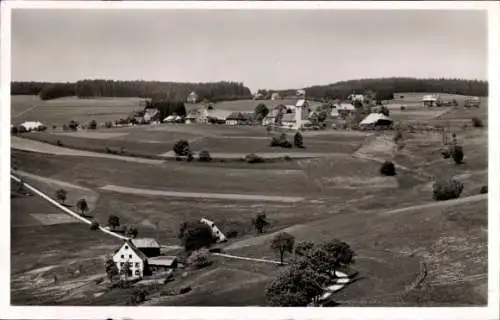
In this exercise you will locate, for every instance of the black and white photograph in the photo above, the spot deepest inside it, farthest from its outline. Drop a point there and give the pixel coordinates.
(189, 156)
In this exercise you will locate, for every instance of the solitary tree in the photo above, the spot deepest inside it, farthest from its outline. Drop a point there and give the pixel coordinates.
(111, 268)
(261, 111)
(283, 242)
(131, 232)
(260, 222)
(54, 127)
(385, 111)
(61, 195)
(82, 206)
(181, 148)
(125, 270)
(93, 125)
(457, 154)
(298, 141)
(113, 221)
(94, 225)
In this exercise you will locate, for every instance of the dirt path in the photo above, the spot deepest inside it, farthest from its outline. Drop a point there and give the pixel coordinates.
(40, 147)
(224, 196)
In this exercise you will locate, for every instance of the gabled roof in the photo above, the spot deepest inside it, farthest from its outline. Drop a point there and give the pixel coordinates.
(162, 261)
(235, 116)
(373, 118)
(133, 248)
(219, 114)
(429, 97)
(346, 107)
(145, 243)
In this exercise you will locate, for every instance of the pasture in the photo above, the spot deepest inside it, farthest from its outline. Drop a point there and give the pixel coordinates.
(392, 223)
(61, 111)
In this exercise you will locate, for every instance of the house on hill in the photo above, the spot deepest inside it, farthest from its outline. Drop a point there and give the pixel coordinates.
(430, 100)
(192, 97)
(137, 260)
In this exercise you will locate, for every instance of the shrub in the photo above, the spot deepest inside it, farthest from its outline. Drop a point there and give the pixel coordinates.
(199, 259)
(385, 111)
(94, 225)
(189, 156)
(14, 130)
(138, 296)
(445, 152)
(447, 189)
(287, 158)
(281, 141)
(184, 290)
(22, 129)
(131, 232)
(260, 222)
(204, 156)
(82, 206)
(477, 123)
(73, 125)
(92, 125)
(108, 124)
(253, 158)
(113, 221)
(61, 195)
(195, 235)
(65, 127)
(232, 233)
(402, 108)
(484, 189)
(457, 154)
(41, 128)
(388, 169)
(181, 148)
(298, 141)
(59, 143)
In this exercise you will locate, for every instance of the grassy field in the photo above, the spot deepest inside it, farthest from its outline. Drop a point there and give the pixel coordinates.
(62, 111)
(392, 223)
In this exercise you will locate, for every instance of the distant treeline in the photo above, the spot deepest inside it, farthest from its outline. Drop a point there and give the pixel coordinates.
(386, 87)
(172, 91)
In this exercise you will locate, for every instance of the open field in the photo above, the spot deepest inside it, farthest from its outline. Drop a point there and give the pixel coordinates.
(63, 110)
(392, 223)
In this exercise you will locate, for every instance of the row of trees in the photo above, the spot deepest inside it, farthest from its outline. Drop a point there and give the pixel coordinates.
(311, 270)
(386, 87)
(175, 91)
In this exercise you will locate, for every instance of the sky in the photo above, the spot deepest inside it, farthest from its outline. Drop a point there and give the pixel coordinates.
(276, 49)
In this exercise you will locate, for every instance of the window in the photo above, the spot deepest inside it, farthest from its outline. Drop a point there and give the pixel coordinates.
(123, 256)
(137, 264)
(121, 264)
(130, 256)
(126, 247)
(136, 272)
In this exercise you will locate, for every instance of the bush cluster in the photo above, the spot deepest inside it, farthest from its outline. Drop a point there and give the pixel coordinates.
(282, 141)
(447, 189)
(388, 169)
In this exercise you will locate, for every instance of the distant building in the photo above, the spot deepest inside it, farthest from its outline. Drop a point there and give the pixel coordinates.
(472, 102)
(345, 109)
(430, 100)
(149, 246)
(236, 118)
(275, 96)
(162, 263)
(31, 125)
(374, 120)
(192, 97)
(300, 93)
(356, 97)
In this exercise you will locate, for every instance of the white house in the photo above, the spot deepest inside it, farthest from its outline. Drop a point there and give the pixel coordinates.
(192, 97)
(430, 100)
(275, 96)
(345, 109)
(31, 125)
(215, 231)
(356, 97)
(128, 252)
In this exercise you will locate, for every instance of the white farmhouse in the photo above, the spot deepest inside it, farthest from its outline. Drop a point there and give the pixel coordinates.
(135, 257)
(31, 125)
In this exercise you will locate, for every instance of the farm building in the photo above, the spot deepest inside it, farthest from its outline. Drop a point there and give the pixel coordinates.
(430, 100)
(258, 96)
(192, 97)
(162, 263)
(31, 125)
(374, 120)
(275, 96)
(128, 252)
(193, 116)
(236, 118)
(356, 97)
(271, 116)
(151, 114)
(345, 109)
(472, 102)
(301, 93)
(214, 116)
(149, 246)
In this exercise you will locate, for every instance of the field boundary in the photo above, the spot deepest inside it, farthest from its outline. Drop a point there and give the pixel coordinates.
(63, 208)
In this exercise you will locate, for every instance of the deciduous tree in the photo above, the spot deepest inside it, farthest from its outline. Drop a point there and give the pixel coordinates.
(282, 243)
